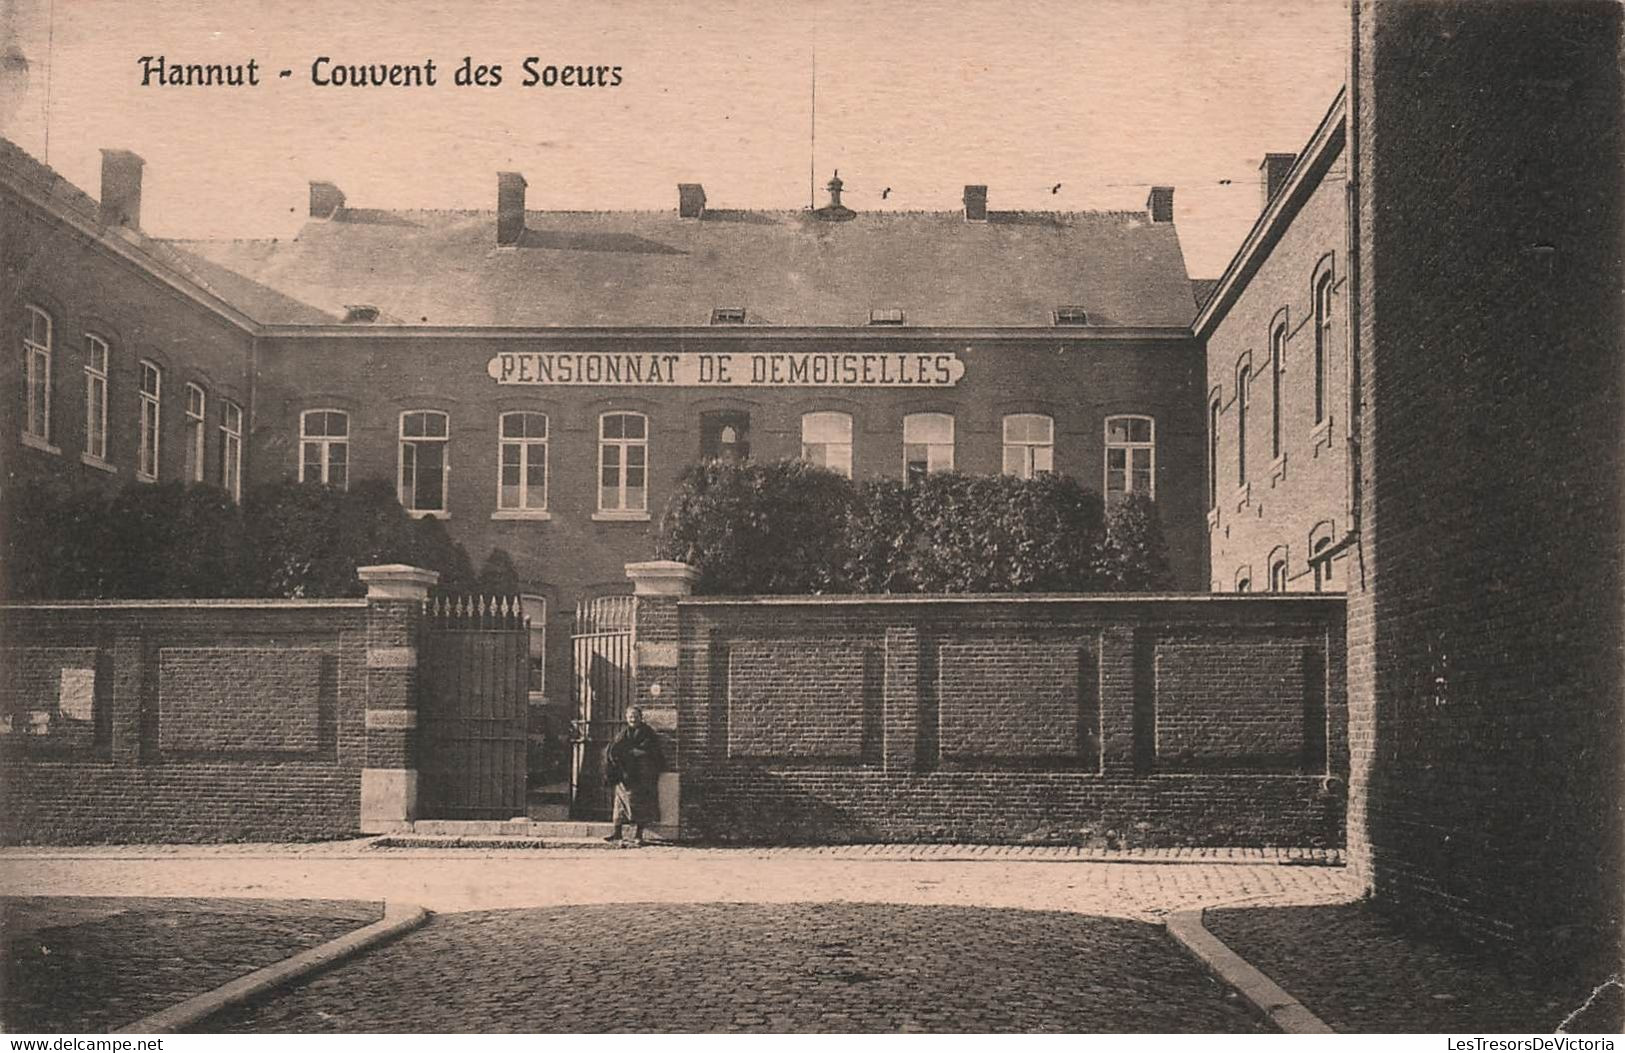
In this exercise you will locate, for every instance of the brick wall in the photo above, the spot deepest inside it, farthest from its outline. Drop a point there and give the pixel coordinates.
(1101, 721)
(1289, 501)
(1485, 642)
(86, 287)
(183, 721)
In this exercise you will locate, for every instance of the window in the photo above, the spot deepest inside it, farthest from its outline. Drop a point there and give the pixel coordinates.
(37, 365)
(1322, 565)
(1029, 444)
(1071, 315)
(1277, 359)
(1323, 339)
(1278, 564)
(885, 316)
(1244, 578)
(535, 608)
(95, 397)
(231, 449)
(424, 435)
(1131, 456)
(152, 381)
(928, 445)
(1213, 454)
(324, 448)
(727, 316)
(725, 436)
(826, 440)
(623, 462)
(1241, 424)
(195, 401)
(522, 463)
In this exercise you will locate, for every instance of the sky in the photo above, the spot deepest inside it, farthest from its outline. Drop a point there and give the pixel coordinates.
(1103, 97)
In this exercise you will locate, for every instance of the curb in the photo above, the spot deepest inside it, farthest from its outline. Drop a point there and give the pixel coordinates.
(397, 919)
(1264, 994)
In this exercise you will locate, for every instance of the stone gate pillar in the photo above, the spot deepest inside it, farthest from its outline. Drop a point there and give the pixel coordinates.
(389, 779)
(657, 586)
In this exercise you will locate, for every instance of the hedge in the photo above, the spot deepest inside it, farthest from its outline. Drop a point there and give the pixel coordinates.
(169, 540)
(792, 528)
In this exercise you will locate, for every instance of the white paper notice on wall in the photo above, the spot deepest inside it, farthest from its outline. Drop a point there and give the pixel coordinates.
(76, 699)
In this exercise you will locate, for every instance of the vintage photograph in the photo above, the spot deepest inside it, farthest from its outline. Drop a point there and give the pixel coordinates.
(952, 516)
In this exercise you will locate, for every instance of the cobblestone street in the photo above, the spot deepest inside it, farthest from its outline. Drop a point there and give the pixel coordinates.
(709, 939)
(804, 967)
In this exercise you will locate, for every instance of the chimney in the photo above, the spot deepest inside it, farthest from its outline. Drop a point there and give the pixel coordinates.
(690, 200)
(510, 207)
(1159, 206)
(121, 188)
(1272, 174)
(325, 200)
(976, 204)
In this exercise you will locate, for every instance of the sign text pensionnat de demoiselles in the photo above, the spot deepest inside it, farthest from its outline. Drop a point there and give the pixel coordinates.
(719, 369)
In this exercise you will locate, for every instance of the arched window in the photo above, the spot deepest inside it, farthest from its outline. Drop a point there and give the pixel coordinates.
(37, 344)
(1277, 361)
(623, 462)
(96, 357)
(324, 447)
(1242, 383)
(1029, 444)
(1213, 454)
(1278, 569)
(1244, 578)
(425, 435)
(152, 384)
(522, 462)
(826, 440)
(1131, 456)
(1323, 338)
(928, 445)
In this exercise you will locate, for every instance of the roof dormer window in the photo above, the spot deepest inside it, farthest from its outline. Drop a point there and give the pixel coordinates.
(1071, 314)
(885, 316)
(727, 316)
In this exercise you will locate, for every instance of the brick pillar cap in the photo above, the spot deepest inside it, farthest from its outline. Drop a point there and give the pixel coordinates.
(397, 581)
(661, 577)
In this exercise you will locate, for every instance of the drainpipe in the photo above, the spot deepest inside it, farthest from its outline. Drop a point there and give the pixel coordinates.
(1353, 300)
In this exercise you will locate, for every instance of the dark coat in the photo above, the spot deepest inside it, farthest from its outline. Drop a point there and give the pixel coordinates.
(634, 758)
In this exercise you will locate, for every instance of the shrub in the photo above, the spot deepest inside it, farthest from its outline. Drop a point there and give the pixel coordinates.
(497, 574)
(56, 541)
(1135, 555)
(759, 528)
(986, 534)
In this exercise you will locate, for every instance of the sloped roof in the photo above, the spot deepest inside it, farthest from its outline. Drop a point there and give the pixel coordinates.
(1202, 288)
(785, 268)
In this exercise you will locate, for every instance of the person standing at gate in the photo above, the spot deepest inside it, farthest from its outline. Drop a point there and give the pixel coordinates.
(632, 765)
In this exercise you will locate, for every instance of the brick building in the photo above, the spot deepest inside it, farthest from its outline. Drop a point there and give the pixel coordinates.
(540, 379)
(1275, 331)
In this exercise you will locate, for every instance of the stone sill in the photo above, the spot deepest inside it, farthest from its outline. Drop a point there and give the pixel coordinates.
(1278, 469)
(97, 463)
(34, 442)
(427, 513)
(1244, 496)
(540, 515)
(620, 517)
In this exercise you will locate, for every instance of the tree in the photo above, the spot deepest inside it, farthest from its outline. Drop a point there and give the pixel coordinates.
(497, 574)
(1135, 555)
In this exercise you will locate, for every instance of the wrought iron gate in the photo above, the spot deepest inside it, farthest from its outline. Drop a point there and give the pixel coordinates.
(474, 672)
(604, 687)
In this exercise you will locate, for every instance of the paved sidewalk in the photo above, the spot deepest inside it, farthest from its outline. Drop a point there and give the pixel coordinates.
(447, 881)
